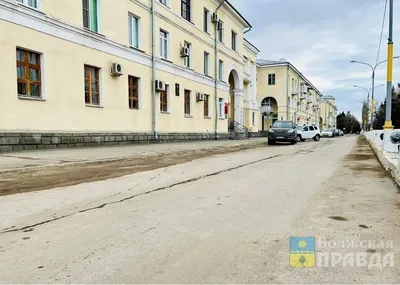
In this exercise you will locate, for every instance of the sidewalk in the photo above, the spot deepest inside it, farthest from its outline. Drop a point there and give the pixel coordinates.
(10, 161)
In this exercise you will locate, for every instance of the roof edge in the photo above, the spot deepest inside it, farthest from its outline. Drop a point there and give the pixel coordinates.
(250, 44)
(238, 13)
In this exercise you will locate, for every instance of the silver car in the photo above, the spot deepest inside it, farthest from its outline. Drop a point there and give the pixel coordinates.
(328, 133)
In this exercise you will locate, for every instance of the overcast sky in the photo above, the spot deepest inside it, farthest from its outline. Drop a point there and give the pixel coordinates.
(320, 37)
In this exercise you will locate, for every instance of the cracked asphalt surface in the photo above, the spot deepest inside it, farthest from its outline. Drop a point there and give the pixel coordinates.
(220, 219)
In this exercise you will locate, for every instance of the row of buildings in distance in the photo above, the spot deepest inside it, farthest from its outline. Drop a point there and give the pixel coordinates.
(153, 67)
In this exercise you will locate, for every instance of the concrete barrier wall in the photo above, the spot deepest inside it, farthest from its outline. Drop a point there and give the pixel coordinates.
(390, 160)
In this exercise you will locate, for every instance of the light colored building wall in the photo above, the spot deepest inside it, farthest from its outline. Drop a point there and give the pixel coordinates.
(292, 105)
(65, 48)
(251, 109)
(328, 112)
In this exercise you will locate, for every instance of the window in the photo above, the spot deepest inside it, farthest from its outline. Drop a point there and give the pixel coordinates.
(206, 105)
(163, 2)
(283, 125)
(221, 70)
(185, 9)
(92, 90)
(163, 44)
(90, 16)
(164, 100)
(206, 20)
(187, 60)
(30, 3)
(28, 74)
(187, 102)
(253, 119)
(206, 63)
(311, 128)
(305, 129)
(271, 79)
(133, 85)
(220, 108)
(234, 37)
(134, 29)
(221, 32)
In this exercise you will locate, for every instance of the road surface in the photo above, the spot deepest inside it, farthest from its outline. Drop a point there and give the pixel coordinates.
(221, 219)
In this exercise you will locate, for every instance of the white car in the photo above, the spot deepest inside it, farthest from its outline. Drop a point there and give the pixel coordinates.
(308, 132)
(328, 133)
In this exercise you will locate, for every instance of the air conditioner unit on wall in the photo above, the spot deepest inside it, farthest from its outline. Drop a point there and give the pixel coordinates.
(214, 18)
(185, 52)
(200, 96)
(117, 69)
(160, 85)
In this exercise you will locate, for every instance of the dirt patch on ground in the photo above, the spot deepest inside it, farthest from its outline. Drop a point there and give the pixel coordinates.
(363, 152)
(36, 179)
(338, 218)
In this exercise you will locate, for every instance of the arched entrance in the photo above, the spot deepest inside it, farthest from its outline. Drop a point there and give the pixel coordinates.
(235, 97)
(269, 112)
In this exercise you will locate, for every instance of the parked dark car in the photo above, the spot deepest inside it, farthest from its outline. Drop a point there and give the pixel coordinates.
(282, 131)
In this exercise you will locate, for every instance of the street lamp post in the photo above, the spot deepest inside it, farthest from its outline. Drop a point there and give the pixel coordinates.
(368, 110)
(373, 68)
(388, 119)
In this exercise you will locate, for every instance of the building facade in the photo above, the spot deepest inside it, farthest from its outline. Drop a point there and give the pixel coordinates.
(285, 94)
(328, 111)
(251, 110)
(180, 66)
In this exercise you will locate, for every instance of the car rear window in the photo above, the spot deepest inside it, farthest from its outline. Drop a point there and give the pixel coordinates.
(283, 125)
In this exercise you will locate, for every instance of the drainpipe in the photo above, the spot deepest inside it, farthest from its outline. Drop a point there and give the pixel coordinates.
(153, 70)
(216, 71)
(248, 30)
(287, 91)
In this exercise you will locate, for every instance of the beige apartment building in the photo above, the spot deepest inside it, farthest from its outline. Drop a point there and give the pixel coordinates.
(161, 68)
(328, 111)
(285, 94)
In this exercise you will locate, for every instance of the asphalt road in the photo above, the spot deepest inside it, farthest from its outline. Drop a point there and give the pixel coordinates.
(222, 219)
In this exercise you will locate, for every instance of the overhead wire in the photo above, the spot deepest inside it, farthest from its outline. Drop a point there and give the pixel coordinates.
(383, 25)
